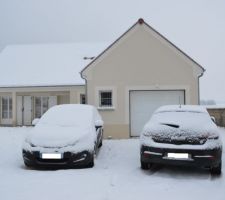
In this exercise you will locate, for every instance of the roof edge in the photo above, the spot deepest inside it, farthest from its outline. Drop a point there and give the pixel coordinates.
(142, 21)
(176, 47)
(36, 86)
(107, 48)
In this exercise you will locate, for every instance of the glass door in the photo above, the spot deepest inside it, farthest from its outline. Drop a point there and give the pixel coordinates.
(41, 106)
(6, 110)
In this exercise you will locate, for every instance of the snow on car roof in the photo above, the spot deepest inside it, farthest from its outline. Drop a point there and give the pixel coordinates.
(181, 108)
(68, 115)
(62, 126)
(46, 64)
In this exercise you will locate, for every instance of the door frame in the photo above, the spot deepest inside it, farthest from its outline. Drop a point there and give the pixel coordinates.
(23, 108)
(163, 90)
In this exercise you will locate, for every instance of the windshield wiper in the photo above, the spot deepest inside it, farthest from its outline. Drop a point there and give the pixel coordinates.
(171, 125)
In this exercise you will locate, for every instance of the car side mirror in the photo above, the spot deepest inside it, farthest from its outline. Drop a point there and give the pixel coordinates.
(213, 119)
(98, 124)
(35, 121)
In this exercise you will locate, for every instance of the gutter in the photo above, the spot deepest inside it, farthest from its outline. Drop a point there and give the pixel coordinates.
(85, 79)
(199, 85)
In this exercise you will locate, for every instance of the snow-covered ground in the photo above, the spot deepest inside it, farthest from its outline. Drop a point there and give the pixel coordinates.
(116, 175)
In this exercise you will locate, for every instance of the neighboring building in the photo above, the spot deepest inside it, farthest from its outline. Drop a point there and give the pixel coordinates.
(139, 72)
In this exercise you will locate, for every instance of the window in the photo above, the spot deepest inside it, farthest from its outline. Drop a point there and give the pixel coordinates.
(105, 99)
(41, 106)
(82, 99)
(6, 107)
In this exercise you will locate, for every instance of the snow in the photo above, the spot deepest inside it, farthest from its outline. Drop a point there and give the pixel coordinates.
(46, 64)
(181, 108)
(69, 127)
(68, 115)
(185, 122)
(116, 175)
(209, 144)
(219, 106)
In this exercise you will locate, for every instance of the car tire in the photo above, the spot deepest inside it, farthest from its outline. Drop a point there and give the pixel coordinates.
(145, 166)
(27, 165)
(91, 163)
(100, 144)
(216, 170)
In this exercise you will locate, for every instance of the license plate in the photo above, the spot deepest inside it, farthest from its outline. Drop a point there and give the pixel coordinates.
(178, 155)
(51, 156)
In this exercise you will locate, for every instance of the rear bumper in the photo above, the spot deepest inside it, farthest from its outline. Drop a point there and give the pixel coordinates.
(198, 158)
(69, 160)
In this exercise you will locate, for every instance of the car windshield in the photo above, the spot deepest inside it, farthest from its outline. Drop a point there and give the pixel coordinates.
(67, 115)
(181, 117)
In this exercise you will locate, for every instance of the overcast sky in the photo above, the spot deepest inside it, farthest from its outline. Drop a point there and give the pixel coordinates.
(196, 26)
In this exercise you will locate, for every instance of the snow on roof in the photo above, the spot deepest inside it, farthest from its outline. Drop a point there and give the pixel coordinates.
(181, 108)
(46, 64)
(219, 106)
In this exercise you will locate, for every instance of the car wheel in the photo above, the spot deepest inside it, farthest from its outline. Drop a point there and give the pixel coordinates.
(100, 144)
(27, 165)
(91, 163)
(216, 170)
(145, 166)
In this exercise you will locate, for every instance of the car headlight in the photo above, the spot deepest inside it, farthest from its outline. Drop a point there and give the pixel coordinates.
(146, 134)
(213, 137)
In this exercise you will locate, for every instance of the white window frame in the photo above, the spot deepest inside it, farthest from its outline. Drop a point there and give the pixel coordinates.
(98, 100)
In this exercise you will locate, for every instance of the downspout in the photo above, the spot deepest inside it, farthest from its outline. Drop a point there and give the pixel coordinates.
(199, 86)
(86, 96)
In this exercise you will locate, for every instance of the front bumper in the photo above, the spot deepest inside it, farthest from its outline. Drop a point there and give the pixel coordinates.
(69, 160)
(198, 158)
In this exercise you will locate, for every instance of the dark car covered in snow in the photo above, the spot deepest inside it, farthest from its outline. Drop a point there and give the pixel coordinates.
(181, 135)
(66, 136)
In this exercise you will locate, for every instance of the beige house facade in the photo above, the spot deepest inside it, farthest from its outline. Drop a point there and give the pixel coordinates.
(127, 81)
(139, 72)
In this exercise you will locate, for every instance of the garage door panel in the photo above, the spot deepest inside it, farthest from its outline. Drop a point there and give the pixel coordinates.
(144, 103)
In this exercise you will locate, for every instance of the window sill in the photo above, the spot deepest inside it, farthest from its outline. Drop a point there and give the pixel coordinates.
(106, 108)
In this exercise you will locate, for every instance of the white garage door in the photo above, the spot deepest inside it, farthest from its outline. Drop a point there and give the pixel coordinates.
(144, 103)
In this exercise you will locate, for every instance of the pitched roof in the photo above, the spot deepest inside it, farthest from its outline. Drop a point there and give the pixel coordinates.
(140, 22)
(45, 64)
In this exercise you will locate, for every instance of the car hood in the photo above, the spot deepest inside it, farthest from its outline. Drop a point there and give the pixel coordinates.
(180, 128)
(57, 136)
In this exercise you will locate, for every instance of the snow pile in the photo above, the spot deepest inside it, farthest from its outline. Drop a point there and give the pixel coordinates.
(65, 128)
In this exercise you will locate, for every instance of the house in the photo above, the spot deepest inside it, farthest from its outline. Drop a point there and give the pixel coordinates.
(139, 72)
(127, 81)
